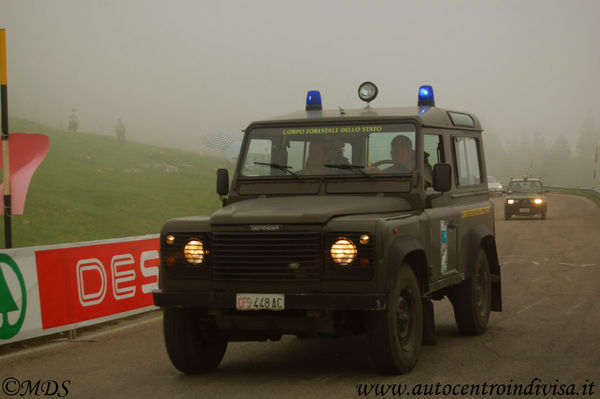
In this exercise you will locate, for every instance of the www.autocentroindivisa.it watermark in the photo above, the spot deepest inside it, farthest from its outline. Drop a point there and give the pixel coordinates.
(535, 387)
(12, 386)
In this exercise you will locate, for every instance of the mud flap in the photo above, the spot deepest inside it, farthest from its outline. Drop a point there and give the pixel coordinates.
(496, 293)
(429, 337)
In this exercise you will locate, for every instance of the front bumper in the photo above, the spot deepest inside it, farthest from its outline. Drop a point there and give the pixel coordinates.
(525, 209)
(294, 301)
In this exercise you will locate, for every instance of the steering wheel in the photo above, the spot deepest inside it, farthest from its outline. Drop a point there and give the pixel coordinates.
(399, 167)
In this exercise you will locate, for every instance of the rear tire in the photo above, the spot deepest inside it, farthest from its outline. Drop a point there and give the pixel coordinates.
(395, 334)
(194, 344)
(472, 299)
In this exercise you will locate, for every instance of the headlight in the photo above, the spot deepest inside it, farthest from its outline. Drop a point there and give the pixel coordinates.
(194, 251)
(538, 201)
(510, 201)
(343, 251)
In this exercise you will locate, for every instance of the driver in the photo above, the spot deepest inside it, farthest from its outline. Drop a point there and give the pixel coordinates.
(402, 154)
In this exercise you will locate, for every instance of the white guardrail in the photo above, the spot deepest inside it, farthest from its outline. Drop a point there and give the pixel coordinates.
(54, 288)
(592, 189)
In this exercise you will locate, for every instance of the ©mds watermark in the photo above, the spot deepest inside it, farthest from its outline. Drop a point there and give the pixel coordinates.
(13, 301)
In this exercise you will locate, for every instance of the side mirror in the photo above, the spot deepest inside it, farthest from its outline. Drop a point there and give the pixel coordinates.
(442, 177)
(222, 182)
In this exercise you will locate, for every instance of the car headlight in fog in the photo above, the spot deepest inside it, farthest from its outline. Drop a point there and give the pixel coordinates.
(510, 201)
(538, 201)
(343, 251)
(194, 251)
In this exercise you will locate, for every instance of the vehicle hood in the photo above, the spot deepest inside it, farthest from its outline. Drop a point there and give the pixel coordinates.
(316, 209)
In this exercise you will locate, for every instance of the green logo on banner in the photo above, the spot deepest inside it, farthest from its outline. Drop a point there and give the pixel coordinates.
(7, 301)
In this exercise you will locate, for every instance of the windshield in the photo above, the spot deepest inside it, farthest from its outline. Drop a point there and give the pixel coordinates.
(525, 187)
(330, 150)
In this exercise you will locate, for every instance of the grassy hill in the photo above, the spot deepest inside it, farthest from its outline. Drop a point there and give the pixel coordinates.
(89, 187)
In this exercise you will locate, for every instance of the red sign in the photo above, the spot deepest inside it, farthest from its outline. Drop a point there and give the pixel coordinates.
(26, 152)
(83, 283)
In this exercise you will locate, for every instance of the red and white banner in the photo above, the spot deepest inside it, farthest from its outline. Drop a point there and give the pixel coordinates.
(49, 289)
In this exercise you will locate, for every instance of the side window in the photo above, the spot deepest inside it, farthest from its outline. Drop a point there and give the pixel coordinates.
(468, 168)
(434, 154)
(434, 149)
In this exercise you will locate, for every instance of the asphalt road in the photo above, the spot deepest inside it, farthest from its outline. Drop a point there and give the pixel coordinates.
(549, 329)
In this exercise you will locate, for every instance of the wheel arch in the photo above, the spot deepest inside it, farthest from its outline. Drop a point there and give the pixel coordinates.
(407, 249)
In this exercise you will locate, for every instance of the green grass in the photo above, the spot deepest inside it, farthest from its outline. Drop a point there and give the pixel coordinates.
(581, 193)
(89, 187)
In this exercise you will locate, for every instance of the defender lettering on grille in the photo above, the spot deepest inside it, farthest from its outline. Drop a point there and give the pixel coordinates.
(266, 227)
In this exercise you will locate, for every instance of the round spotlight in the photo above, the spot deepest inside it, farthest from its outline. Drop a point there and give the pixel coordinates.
(194, 252)
(367, 91)
(343, 251)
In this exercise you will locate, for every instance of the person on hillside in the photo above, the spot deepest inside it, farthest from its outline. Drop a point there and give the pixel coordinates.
(120, 130)
(73, 121)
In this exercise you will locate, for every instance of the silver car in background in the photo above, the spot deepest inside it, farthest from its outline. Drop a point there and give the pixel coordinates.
(494, 186)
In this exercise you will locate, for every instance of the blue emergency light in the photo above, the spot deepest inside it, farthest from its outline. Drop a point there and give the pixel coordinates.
(426, 96)
(313, 101)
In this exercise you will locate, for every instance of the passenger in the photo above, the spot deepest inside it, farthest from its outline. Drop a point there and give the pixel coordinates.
(335, 153)
(315, 159)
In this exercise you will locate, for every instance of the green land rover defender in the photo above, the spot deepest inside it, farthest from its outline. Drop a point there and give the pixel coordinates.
(337, 222)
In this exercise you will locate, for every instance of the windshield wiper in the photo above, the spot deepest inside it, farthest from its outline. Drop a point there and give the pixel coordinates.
(354, 168)
(284, 168)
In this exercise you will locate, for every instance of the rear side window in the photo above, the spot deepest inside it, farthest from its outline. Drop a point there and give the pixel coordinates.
(468, 166)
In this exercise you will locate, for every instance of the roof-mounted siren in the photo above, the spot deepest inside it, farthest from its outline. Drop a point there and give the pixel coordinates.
(426, 96)
(313, 101)
(367, 92)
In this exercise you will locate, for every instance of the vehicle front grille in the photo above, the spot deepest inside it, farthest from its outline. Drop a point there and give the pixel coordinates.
(266, 255)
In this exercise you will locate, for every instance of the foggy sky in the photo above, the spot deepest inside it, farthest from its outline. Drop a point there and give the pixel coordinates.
(177, 70)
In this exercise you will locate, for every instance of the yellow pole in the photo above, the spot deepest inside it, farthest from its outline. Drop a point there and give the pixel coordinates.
(5, 152)
(595, 165)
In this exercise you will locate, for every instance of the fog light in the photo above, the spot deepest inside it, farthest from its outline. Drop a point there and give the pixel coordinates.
(510, 201)
(343, 251)
(538, 201)
(194, 252)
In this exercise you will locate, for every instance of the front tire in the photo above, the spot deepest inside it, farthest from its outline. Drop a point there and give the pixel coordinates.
(472, 299)
(194, 344)
(395, 334)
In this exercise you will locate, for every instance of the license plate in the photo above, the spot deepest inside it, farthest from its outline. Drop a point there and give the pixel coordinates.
(260, 302)
(524, 210)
